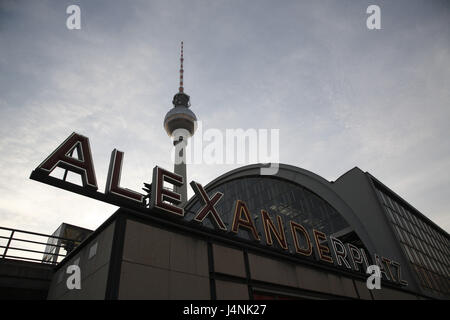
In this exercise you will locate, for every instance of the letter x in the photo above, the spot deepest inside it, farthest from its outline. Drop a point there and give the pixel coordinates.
(209, 204)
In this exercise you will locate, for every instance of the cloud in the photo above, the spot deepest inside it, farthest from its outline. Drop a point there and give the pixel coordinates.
(341, 95)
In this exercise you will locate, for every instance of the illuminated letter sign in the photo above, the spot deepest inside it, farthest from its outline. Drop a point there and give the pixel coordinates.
(398, 268)
(388, 267)
(61, 158)
(323, 250)
(247, 222)
(357, 256)
(269, 229)
(298, 227)
(166, 200)
(163, 198)
(208, 208)
(113, 180)
(379, 262)
(340, 252)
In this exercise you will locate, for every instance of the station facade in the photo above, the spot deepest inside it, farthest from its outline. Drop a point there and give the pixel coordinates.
(293, 235)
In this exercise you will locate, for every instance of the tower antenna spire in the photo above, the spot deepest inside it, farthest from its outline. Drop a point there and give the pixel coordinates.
(181, 89)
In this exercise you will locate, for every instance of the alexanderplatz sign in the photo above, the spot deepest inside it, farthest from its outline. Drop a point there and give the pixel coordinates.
(168, 202)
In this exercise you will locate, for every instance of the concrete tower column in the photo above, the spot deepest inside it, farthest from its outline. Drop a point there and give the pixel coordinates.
(180, 144)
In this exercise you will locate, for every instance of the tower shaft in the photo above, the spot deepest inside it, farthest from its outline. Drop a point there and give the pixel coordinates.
(180, 167)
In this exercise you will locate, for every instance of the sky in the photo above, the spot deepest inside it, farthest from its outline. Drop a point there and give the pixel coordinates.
(340, 94)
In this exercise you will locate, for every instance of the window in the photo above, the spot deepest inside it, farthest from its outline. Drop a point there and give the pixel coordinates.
(276, 196)
(399, 222)
(399, 234)
(408, 253)
(391, 214)
(405, 222)
(424, 245)
(406, 236)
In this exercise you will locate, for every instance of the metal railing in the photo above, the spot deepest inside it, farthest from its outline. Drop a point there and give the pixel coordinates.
(29, 246)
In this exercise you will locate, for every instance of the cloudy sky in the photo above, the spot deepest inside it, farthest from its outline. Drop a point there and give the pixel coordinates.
(341, 95)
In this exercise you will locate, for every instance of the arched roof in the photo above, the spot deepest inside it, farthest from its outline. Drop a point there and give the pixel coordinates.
(313, 182)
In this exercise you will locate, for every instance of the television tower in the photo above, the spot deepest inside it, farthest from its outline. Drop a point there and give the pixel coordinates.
(180, 124)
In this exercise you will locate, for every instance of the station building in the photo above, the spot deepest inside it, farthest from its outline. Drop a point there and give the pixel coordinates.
(160, 256)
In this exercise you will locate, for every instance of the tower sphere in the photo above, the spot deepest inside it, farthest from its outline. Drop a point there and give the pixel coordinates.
(180, 116)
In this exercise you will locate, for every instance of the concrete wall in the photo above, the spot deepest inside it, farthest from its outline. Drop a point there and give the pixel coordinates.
(229, 261)
(24, 280)
(159, 264)
(301, 277)
(316, 280)
(163, 264)
(93, 260)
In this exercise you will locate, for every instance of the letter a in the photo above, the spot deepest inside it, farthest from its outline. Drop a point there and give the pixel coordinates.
(74, 280)
(373, 21)
(74, 20)
(61, 157)
(373, 282)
